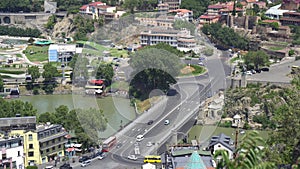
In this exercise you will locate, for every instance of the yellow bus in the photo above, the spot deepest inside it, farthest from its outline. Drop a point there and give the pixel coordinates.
(152, 159)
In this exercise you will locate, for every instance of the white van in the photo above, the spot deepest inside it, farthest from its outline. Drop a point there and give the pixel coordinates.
(85, 163)
(139, 138)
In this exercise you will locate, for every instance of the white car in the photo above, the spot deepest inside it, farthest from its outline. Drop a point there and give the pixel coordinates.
(139, 138)
(132, 157)
(149, 144)
(201, 63)
(167, 122)
(85, 163)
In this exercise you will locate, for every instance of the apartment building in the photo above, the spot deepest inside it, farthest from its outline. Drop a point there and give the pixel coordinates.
(290, 18)
(51, 139)
(163, 7)
(41, 143)
(176, 38)
(11, 152)
(173, 4)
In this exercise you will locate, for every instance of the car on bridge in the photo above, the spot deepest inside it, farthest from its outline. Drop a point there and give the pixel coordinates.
(139, 138)
(167, 122)
(150, 122)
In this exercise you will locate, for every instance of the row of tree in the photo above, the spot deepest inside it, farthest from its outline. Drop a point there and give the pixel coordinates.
(86, 123)
(225, 36)
(14, 31)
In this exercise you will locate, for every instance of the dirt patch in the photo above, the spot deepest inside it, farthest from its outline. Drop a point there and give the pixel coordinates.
(187, 70)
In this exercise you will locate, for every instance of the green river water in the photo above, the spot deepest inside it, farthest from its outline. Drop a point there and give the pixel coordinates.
(117, 110)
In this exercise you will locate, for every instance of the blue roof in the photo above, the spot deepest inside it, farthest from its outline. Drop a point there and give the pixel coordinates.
(195, 162)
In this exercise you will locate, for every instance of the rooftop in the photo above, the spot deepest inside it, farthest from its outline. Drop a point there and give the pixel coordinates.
(10, 121)
(223, 139)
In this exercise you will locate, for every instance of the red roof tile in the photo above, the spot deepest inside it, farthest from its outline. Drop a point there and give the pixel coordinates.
(215, 6)
(209, 16)
(83, 7)
(96, 3)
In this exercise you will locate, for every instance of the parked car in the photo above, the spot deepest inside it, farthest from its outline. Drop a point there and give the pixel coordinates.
(139, 138)
(150, 122)
(167, 122)
(132, 157)
(201, 63)
(85, 163)
(66, 166)
(83, 158)
(102, 156)
(265, 69)
(119, 145)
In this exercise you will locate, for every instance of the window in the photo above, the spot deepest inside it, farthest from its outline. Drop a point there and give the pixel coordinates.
(59, 139)
(59, 146)
(19, 153)
(42, 152)
(53, 148)
(53, 141)
(47, 150)
(30, 154)
(30, 146)
(30, 137)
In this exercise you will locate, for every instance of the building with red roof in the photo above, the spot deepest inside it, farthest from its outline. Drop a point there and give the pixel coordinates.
(183, 14)
(88, 9)
(290, 5)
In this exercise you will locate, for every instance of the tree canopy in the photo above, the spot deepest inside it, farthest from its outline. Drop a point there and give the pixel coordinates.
(225, 36)
(152, 69)
(85, 123)
(34, 72)
(198, 7)
(256, 59)
(14, 31)
(105, 71)
(11, 108)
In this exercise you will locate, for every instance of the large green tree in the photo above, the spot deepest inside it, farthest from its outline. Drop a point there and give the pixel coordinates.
(256, 59)
(198, 7)
(225, 36)
(105, 71)
(248, 155)
(49, 74)
(11, 108)
(34, 72)
(131, 5)
(152, 69)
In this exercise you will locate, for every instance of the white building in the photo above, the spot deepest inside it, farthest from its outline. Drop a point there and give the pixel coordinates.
(183, 14)
(11, 152)
(57, 51)
(275, 12)
(181, 39)
(221, 142)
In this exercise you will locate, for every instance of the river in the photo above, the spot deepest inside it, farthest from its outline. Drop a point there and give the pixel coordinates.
(117, 110)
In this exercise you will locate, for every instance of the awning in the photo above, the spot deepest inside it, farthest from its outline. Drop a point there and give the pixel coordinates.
(70, 149)
(77, 145)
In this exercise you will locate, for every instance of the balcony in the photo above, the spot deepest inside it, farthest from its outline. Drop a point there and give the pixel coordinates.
(50, 145)
(52, 137)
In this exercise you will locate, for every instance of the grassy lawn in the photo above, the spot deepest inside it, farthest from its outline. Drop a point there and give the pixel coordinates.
(146, 104)
(193, 70)
(92, 52)
(37, 53)
(16, 72)
(275, 48)
(118, 53)
(204, 133)
(121, 85)
(94, 45)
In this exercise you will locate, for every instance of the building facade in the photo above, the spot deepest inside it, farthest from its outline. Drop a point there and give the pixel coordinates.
(173, 4)
(11, 153)
(57, 52)
(51, 139)
(180, 39)
(290, 18)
